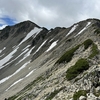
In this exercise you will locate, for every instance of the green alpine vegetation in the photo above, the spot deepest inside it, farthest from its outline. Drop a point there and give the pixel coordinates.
(79, 93)
(97, 31)
(87, 43)
(80, 66)
(94, 51)
(67, 56)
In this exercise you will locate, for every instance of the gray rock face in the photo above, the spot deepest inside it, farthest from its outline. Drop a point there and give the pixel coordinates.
(28, 55)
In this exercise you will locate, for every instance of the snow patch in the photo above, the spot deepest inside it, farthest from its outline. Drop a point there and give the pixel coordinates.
(26, 55)
(52, 46)
(7, 58)
(34, 31)
(26, 47)
(16, 58)
(21, 79)
(2, 55)
(49, 31)
(14, 47)
(6, 78)
(2, 27)
(30, 73)
(14, 83)
(72, 29)
(23, 66)
(2, 49)
(88, 23)
(29, 52)
(51, 40)
(10, 55)
(23, 52)
(83, 29)
(40, 46)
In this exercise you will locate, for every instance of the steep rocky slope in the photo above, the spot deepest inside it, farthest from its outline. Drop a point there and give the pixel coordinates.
(57, 64)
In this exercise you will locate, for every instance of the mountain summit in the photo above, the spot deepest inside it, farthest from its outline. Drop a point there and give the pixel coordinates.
(56, 64)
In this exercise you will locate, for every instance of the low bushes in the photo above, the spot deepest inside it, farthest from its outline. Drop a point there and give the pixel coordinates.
(94, 51)
(87, 43)
(97, 31)
(67, 56)
(78, 68)
(79, 93)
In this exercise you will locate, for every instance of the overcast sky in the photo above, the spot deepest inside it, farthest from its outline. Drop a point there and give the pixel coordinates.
(48, 13)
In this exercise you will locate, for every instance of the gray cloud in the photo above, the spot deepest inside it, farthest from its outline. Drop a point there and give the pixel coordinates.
(50, 13)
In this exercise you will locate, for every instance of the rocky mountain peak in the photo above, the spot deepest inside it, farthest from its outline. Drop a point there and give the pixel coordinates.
(26, 24)
(23, 27)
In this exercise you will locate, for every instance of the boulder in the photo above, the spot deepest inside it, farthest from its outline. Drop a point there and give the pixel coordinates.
(98, 89)
(82, 98)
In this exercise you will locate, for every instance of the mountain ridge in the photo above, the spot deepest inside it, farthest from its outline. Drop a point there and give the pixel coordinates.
(28, 55)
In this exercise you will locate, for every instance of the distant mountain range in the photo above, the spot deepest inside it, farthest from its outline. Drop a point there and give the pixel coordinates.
(56, 64)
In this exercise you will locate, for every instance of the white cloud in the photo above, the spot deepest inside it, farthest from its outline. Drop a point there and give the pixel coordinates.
(50, 13)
